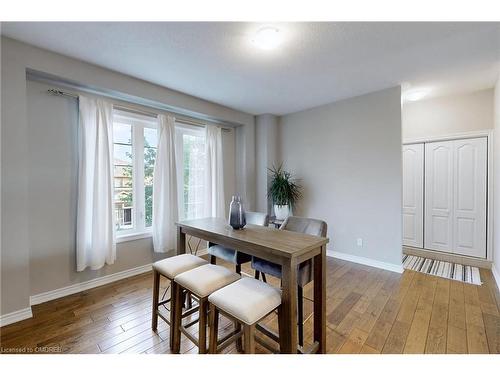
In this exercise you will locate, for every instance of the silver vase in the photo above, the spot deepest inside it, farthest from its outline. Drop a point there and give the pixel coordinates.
(237, 219)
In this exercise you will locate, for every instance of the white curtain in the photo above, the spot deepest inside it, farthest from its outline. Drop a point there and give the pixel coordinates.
(165, 207)
(95, 232)
(214, 173)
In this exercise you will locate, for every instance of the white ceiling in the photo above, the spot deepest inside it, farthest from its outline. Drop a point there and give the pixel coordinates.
(318, 63)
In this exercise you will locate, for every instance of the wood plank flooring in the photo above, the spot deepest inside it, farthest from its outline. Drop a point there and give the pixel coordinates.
(369, 311)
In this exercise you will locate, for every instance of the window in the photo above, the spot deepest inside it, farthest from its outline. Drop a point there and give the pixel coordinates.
(135, 140)
(190, 155)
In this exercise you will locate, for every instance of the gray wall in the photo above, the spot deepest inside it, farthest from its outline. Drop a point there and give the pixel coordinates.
(30, 253)
(266, 155)
(15, 286)
(348, 155)
(448, 115)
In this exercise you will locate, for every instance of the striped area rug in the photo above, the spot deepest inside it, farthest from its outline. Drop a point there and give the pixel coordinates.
(453, 271)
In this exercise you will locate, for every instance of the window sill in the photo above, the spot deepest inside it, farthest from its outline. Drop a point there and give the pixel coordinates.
(133, 236)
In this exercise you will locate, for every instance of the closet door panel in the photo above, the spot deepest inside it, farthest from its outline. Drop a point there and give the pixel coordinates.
(413, 180)
(439, 196)
(469, 216)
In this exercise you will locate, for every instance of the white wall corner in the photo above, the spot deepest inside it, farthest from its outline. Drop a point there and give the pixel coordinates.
(15, 316)
(366, 261)
(496, 274)
(75, 288)
(495, 268)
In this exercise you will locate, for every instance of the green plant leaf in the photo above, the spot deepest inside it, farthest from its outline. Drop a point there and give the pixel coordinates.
(283, 188)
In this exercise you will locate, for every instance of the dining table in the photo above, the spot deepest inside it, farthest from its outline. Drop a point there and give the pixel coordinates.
(286, 248)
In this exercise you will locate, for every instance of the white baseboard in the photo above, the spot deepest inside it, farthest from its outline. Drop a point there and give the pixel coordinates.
(496, 275)
(75, 288)
(366, 261)
(15, 316)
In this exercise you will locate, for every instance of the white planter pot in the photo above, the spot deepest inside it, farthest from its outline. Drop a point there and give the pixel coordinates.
(281, 211)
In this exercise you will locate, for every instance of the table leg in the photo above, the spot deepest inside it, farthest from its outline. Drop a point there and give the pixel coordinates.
(181, 241)
(288, 339)
(320, 300)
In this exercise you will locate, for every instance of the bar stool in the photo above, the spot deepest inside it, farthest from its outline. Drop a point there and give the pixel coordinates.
(246, 301)
(170, 268)
(233, 256)
(200, 282)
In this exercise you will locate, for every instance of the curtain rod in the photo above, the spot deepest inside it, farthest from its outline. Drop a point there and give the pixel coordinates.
(183, 119)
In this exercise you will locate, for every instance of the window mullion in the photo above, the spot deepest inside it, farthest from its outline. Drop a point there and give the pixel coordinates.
(138, 131)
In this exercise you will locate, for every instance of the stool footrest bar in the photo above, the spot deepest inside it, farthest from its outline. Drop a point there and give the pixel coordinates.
(266, 345)
(164, 302)
(190, 311)
(187, 325)
(192, 338)
(164, 318)
(266, 331)
(228, 340)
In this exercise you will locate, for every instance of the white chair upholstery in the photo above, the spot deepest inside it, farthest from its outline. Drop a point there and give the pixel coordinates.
(248, 299)
(204, 280)
(171, 267)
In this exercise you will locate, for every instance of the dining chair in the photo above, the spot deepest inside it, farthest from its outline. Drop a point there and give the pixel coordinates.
(313, 227)
(233, 256)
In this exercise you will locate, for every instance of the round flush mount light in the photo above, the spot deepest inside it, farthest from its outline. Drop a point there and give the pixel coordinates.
(267, 38)
(416, 94)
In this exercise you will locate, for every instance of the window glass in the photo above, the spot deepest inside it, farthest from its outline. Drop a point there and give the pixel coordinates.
(190, 145)
(194, 174)
(150, 137)
(122, 133)
(150, 143)
(123, 176)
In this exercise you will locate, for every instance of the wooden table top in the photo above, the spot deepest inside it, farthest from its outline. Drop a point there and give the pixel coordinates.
(281, 242)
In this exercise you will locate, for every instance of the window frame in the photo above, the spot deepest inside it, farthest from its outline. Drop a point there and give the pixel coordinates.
(138, 123)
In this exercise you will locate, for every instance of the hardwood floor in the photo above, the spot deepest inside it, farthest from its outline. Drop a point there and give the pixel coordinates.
(368, 311)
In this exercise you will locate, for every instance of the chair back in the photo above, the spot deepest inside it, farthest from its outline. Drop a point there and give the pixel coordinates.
(305, 225)
(257, 218)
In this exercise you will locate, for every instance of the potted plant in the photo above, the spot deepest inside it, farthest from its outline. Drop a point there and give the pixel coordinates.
(284, 191)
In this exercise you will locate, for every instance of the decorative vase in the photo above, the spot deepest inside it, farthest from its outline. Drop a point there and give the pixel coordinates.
(281, 212)
(237, 219)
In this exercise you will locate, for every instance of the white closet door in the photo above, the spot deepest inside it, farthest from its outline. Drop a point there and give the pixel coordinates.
(413, 195)
(438, 234)
(469, 214)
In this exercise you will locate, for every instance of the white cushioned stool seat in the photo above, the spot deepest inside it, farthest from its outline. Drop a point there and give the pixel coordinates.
(248, 299)
(206, 279)
(171, 267)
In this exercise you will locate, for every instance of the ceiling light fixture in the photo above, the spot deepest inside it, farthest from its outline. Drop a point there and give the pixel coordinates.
(414, 95)
(267, 38)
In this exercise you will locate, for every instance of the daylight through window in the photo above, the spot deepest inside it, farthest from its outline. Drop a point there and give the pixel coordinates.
(135, 140)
